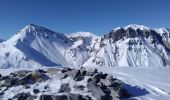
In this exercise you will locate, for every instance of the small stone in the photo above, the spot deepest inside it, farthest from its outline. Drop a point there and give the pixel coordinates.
(36, 90)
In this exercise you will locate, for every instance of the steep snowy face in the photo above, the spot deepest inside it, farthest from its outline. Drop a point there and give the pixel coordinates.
(133, 45)
(34, 45)
(79, 52)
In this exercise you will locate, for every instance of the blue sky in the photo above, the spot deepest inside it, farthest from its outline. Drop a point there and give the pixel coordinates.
(97, 16)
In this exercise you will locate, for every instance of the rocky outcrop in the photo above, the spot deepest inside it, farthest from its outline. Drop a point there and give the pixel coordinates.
(96, 85)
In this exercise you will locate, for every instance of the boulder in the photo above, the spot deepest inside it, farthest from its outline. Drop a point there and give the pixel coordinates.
(53, 71)
(60, 97)
(73, 73)
(79, 78)
(32, 78)
(97, 92)
(23, 96)
(65, 88)
(96, 77)
(73, 96)
(61, 76)
(41, 71)
(79, 87)
(65, 69)
(83, 71)
(46, 97)
(10, 81)
(36, 90)
(91, 72)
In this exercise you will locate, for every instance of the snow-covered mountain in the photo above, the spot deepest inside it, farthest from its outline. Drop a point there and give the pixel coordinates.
(132, 45)
(35, 46)
(1, 40)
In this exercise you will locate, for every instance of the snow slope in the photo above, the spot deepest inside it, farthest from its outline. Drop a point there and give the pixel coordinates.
(36, 46)
(144, 83)
(33, 46)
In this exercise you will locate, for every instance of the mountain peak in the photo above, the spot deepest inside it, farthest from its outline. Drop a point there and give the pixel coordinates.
(83, 34)
(136, 26)
(33, 27)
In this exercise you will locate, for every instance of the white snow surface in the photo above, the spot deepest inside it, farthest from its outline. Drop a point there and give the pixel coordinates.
(35, 46)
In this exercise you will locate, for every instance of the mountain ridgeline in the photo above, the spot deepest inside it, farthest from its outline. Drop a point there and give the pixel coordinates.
(133, 45)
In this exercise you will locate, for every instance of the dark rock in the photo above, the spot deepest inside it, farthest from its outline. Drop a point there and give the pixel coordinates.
(23, 96)
(46, 97)
(32, 78)
(83, 71)
(27, 86)
(65, 88)
(41, 71)
(61, 76)
(65, 69)
(21, 73)
(85, 97)
(60, 97)
(96, 77)
(89, 80)
(10, 81)
(79, 87)
(36, 90)
(73, 73)
(96, 91)
(79, 78)
(73, 96)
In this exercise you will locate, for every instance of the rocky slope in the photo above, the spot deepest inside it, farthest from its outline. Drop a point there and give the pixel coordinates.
(61, 84)
(133, 45)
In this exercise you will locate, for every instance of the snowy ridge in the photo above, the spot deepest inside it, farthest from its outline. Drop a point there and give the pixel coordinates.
(132, 45)
(1, 40)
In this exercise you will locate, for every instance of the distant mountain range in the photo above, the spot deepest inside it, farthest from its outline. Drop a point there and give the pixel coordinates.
(1, 40)
(133, 45)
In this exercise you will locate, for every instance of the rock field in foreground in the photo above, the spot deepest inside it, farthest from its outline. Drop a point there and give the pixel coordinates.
(60, 84)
